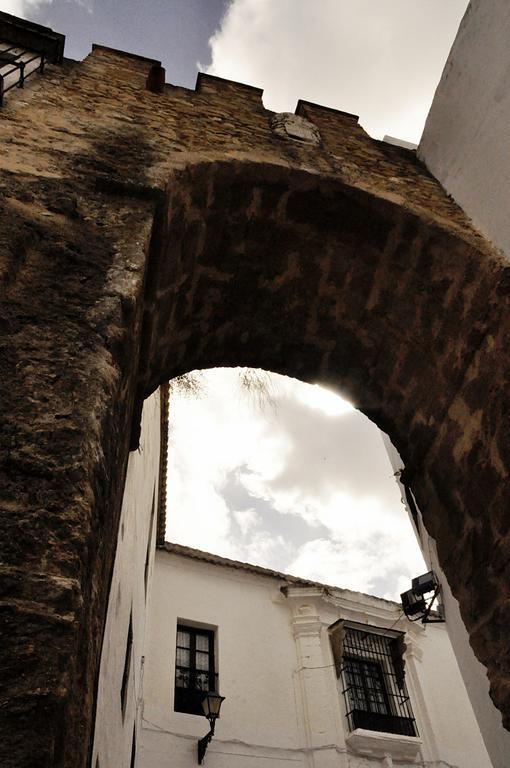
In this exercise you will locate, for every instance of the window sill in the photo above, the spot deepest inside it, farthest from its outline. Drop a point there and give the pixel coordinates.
(375, 744)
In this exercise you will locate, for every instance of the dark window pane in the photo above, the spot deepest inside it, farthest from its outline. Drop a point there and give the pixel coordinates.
(202, 681)
(182, 657)
(203, 643)
(182, 678)
(355, 690)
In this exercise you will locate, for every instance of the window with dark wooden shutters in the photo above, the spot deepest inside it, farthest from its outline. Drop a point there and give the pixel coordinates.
(194, 668)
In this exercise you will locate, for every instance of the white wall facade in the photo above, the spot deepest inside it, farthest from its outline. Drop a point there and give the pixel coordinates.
(113, 736)
(465, 146)
(283, 701)
(466, 137)
(474, 674)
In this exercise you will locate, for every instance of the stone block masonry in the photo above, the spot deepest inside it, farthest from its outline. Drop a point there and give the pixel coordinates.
(147, 234)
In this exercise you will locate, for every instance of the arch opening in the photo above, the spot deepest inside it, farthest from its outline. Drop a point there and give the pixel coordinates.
(266, 470)
(261, 266)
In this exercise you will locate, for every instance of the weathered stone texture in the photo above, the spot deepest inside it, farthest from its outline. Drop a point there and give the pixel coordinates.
(146, 234)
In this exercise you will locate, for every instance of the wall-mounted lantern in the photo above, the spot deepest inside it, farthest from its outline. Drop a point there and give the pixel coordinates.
(211, 704)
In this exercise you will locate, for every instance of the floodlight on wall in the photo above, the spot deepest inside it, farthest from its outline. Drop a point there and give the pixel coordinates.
(415, 604)
(211, 704)
(425, 583)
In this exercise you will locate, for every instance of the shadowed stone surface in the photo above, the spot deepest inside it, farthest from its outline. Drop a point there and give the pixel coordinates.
(147, 234)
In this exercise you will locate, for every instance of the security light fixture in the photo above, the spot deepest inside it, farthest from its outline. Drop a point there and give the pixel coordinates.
(211, 704)
(414, 603)
(423, 584)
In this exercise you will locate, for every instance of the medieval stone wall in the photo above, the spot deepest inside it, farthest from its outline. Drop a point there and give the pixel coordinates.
(145, 234)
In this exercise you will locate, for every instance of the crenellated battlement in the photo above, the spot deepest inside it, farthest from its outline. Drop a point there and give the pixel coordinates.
(147, 130)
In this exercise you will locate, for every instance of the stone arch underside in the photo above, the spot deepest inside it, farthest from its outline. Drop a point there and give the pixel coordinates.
(257, 265)
(326, 275)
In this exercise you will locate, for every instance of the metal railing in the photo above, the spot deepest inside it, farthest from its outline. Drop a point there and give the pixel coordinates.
(374, 686)
(191, 688)
(16, 64)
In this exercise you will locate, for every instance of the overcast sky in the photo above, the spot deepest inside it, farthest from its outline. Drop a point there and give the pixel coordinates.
(301, 484)
(304, 486)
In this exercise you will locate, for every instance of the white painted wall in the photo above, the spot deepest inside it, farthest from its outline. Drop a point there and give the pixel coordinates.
(283, 703)
(255, 658)
(466, 139)
(474, 674)
(113, 732)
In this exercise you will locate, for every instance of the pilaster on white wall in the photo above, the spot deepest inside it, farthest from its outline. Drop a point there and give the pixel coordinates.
(465, 141)
(319, 697)
(115, 723)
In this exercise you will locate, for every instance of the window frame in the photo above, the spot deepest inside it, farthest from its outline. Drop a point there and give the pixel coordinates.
(188, 698)
(370, 705)
(357, 645)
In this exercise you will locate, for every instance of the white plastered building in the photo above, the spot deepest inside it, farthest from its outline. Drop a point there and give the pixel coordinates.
(312, 675)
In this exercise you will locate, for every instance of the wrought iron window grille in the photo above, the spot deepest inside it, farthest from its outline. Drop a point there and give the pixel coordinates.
(373, 679)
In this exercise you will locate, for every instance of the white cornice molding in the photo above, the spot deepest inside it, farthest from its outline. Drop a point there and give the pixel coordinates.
(355, 608)
(300, 593)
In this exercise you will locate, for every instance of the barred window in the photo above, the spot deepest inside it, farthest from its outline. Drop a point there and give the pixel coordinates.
(370, 666)
(194, 668)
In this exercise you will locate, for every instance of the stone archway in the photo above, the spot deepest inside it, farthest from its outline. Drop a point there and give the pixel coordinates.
(298, 273)
(200, 236)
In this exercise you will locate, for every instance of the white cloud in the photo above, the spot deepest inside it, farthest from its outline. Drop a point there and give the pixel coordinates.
(359, 566)
(197, 514)
(263, 549)
(27, 8)
(23, 8)
(209, 437)
(331, 562)
(323, 400)
(381, 59)
(246, 519)
(242, 477)
(370, 545)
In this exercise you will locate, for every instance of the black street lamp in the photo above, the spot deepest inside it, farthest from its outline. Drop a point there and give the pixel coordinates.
(211, 704)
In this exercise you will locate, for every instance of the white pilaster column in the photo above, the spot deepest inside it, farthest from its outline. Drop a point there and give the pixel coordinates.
(316, 679)
(413, 657)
